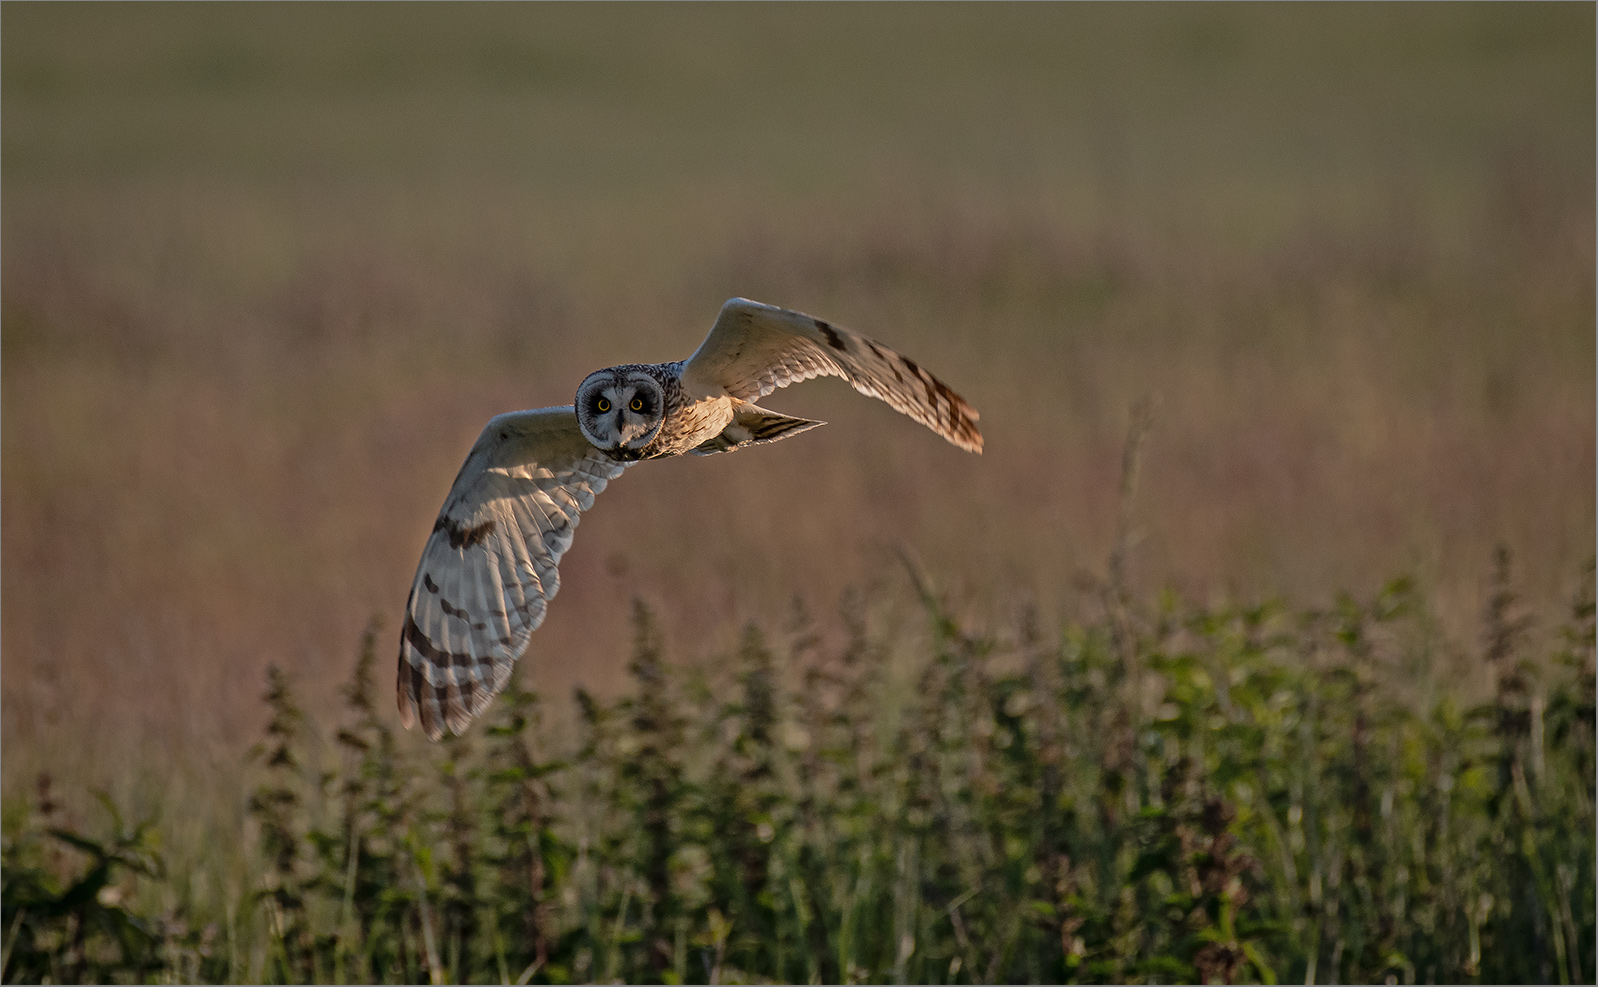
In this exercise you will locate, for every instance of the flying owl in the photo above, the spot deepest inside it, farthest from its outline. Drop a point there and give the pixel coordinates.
(488, 570)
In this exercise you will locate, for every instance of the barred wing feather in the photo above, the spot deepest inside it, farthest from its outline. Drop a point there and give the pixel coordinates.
(753, 349)
(489, 568)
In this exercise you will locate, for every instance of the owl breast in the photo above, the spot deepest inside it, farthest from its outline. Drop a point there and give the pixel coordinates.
(689, 423)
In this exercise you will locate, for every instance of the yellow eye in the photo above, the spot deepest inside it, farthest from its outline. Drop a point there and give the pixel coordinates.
(603, 405)
(637, 405)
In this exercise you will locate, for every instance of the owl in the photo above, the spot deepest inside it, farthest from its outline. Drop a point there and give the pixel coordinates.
(490, 566)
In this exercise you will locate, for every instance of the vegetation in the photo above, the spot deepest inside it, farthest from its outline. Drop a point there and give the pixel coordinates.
(267, 271)
(1168, 794)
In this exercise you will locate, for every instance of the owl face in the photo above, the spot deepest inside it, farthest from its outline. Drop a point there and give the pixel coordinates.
(620, 410)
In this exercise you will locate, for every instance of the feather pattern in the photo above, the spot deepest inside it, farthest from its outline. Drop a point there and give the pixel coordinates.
(489, 568)
(753, 349)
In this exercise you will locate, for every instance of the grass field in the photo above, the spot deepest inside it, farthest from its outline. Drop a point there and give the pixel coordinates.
(1164, 795)
(266, 270)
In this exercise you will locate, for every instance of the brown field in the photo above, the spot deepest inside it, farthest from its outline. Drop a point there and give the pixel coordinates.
(268, 269)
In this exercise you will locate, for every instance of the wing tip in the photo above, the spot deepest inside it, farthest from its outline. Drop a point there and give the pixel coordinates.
(415, 707)
(430, 721)
(403, 698)
(959, 425)
(436, 708)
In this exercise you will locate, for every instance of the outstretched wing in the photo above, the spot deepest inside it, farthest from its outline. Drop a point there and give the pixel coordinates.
(488, 569)
(753, 349)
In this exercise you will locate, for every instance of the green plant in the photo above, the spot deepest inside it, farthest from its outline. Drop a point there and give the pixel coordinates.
(1275, 795)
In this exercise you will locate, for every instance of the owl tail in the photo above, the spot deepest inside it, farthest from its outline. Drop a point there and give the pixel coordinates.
(752, 425)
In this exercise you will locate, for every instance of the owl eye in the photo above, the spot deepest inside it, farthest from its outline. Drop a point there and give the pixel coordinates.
(603, 405)
(637, 405)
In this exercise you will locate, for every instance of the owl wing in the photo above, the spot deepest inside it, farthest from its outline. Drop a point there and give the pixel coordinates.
(753, 349)
(488, 569)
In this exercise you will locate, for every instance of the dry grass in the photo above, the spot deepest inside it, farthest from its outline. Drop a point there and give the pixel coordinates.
(267, 270)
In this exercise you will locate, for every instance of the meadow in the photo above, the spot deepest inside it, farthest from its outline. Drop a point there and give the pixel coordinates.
(1166, 795)
(266, 271)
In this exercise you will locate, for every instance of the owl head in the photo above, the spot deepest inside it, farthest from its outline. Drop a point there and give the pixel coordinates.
(620, 410)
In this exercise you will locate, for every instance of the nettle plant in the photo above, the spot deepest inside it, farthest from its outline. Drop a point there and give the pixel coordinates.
(1169, 793)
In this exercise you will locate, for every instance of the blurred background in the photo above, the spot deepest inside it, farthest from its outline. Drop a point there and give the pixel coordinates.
(267, 269)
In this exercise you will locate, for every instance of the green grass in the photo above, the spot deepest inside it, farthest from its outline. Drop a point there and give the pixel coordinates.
(1167, 794)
